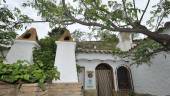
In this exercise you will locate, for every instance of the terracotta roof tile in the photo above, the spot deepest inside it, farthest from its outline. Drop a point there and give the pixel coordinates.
(95, 47)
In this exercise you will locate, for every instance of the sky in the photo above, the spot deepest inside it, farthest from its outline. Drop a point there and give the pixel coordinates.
(43, 28)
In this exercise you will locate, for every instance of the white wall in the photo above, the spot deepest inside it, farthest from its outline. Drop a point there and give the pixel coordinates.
(21, 50)
(153, 79)
(91, 60)
(147, 79)
(65, 62)
(99, 56)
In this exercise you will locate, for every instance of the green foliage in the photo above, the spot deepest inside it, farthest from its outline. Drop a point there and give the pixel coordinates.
(6, 38)
(46, 54)
(9, 23)
(142, 53)
(78, 35)
(7, 33)
(89, 10)
(145, 50)
(159, 12)
(49, 11)
(56, 32)
(44, 57)
(10, 19)
(108, 36)
(112, 15)
(118, 52)
(41, 71)
(78, 68)
(23, 72)
(100, 35)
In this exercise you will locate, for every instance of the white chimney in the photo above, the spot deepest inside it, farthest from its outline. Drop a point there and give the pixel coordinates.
(65, 60)
(125, 41)
(23, 47)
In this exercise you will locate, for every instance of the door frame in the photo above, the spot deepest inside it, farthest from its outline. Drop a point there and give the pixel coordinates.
(112, 76)
(130, 77)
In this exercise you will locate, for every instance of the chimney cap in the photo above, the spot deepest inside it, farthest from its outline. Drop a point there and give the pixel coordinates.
(66, 36)
(30, 34)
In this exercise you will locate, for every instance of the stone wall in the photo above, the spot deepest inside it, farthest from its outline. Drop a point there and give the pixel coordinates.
(7, 89)
(60, 89)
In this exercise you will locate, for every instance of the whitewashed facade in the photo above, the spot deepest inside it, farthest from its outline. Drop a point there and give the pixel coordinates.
(153, 79)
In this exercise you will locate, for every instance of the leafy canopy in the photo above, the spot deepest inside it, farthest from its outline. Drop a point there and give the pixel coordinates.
(99, 13)
(114, 16)
(9, 23)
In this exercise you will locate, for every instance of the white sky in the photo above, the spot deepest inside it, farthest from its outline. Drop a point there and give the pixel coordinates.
(43, 28)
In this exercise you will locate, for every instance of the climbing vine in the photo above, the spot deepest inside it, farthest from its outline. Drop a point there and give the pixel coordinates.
(45, 54)
(44, 57)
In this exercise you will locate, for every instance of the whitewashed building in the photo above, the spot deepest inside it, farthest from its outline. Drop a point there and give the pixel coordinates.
(100, 72)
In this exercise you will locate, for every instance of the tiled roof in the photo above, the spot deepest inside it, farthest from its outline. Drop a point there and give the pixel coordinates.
(93, 51)
(95, 47)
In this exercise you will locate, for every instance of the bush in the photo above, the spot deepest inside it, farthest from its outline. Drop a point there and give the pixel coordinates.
(23, 72)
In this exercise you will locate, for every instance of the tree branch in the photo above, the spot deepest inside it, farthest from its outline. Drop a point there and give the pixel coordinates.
(68, 13)
(124, 8)
(115, 28)
(144, 11)
(163, 39)
(43, 21)
(158, 24)
(39, 21)
(125, 11)
(134, 6)
(84, 4)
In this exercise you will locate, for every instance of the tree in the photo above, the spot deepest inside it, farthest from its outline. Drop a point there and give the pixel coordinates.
(78, 35)
(116, 16)
(21, 71)
(9, 24)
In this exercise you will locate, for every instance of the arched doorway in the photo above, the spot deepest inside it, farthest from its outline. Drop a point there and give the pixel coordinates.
(104, 80)
(124, 80)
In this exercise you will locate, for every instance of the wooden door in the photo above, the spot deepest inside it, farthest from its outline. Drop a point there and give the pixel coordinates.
(104, 80)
